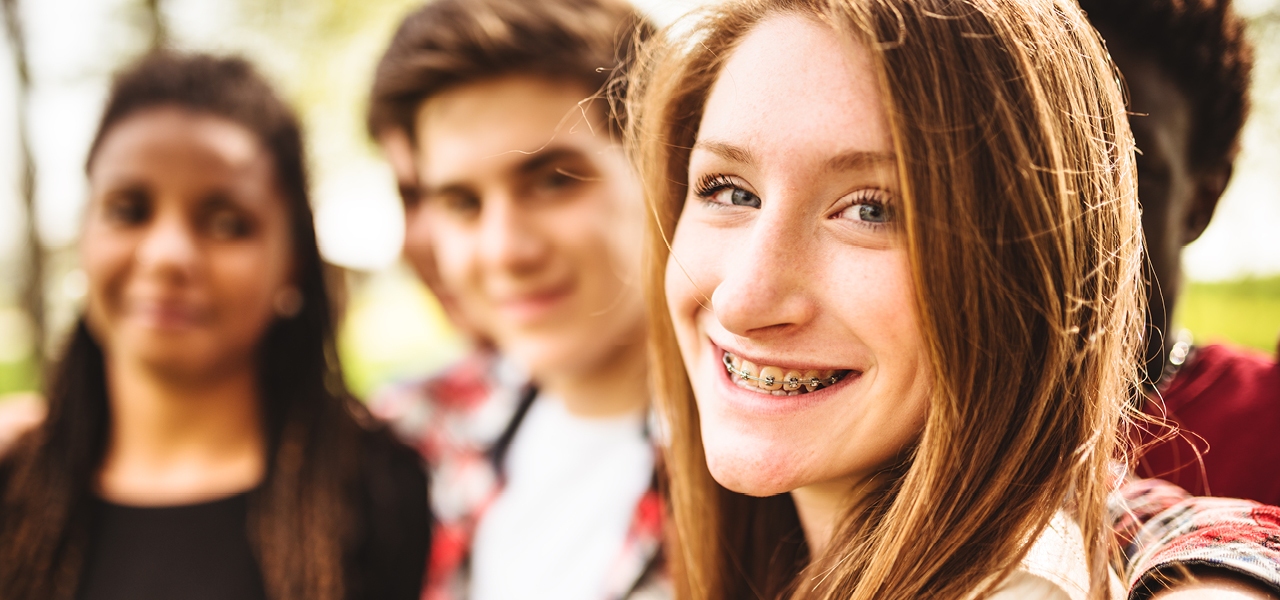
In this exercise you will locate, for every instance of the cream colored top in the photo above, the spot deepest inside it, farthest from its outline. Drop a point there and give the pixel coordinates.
(1055, 568)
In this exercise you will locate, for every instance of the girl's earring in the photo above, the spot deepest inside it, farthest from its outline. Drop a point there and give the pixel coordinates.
(287, 302)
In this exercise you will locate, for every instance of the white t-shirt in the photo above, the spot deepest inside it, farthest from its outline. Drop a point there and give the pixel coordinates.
(561, 520)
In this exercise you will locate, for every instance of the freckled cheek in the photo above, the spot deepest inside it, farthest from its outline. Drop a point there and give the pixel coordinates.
(904, 358)
(689, 278)
(876, 299)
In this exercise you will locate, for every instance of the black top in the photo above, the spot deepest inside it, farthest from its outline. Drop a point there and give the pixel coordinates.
(197, 551)
(202, 551)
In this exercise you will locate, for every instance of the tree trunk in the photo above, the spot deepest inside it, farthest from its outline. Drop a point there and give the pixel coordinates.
(33, 279)
(155, 20)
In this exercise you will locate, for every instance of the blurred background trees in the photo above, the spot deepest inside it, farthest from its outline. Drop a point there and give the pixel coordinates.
(320, 53)
(30, 250)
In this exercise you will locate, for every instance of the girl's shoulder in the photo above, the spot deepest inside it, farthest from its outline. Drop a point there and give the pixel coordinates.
(1056, 567)
(393, 474)
(395, 531)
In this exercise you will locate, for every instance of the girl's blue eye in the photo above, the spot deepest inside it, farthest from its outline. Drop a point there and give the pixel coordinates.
(872, 213)
(725, 191)
(868, 206)
(737, 197)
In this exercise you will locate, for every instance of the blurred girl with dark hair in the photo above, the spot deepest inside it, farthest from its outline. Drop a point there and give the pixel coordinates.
(199, 440)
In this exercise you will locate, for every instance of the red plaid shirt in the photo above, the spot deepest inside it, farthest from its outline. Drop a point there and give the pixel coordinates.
(456, 418)
(1159, 525)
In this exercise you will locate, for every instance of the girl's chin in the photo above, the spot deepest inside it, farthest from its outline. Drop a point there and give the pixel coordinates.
(750, 485)
(752, 474)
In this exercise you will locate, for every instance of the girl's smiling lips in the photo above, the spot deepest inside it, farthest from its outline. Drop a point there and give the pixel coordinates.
(755, 403)
(163, 313)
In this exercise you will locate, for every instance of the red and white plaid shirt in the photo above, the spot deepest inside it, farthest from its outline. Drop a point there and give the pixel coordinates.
(461, 421)
(1159, 525)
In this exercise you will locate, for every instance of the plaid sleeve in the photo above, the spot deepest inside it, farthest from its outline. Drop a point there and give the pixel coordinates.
(1158, 525)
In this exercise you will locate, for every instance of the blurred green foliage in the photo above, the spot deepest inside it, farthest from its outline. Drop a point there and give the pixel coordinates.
(394, 330)
(1245, 312)
(18, 376)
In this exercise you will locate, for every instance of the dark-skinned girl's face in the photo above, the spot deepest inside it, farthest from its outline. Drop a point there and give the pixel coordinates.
(186, 243)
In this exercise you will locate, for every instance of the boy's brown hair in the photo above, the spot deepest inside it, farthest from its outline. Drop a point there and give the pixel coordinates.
(450, 42)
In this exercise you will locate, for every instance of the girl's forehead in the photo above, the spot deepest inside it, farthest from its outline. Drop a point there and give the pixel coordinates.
(189, 156)
(165, 128)
(793, 87)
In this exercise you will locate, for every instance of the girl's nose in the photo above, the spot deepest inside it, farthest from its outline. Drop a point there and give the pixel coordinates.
(765, 287)
(168, 247)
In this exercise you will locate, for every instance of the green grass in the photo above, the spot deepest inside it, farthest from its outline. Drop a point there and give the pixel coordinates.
(1245, 312)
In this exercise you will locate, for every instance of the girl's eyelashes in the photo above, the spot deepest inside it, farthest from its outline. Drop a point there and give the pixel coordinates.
(868, 207)
(722, 190)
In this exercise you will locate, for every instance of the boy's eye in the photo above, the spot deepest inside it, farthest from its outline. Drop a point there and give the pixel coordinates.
(460, 204)
(410, 195)
(554, 180)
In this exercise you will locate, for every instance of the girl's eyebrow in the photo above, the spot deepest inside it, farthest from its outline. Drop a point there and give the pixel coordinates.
(853, 160)
(726, 151)
(218, 198)
(860, 160)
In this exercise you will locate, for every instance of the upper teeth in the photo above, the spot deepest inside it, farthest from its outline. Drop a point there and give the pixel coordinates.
(770, 379)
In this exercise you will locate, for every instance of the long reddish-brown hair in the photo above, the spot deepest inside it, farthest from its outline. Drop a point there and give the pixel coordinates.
(1020, 219)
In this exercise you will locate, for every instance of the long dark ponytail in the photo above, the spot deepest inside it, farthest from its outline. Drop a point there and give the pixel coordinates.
(300, 517)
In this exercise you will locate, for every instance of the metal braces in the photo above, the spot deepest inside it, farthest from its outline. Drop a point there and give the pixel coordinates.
(790, 385)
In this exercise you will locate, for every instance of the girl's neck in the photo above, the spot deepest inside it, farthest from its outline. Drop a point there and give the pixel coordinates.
(174, 441)
(616, 387)
(821, 507)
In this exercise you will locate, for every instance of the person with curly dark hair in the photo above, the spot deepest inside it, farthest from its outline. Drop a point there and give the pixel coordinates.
(1187, 66)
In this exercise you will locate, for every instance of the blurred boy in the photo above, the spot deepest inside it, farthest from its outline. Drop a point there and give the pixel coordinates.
(1187, 68)
(523, 215)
